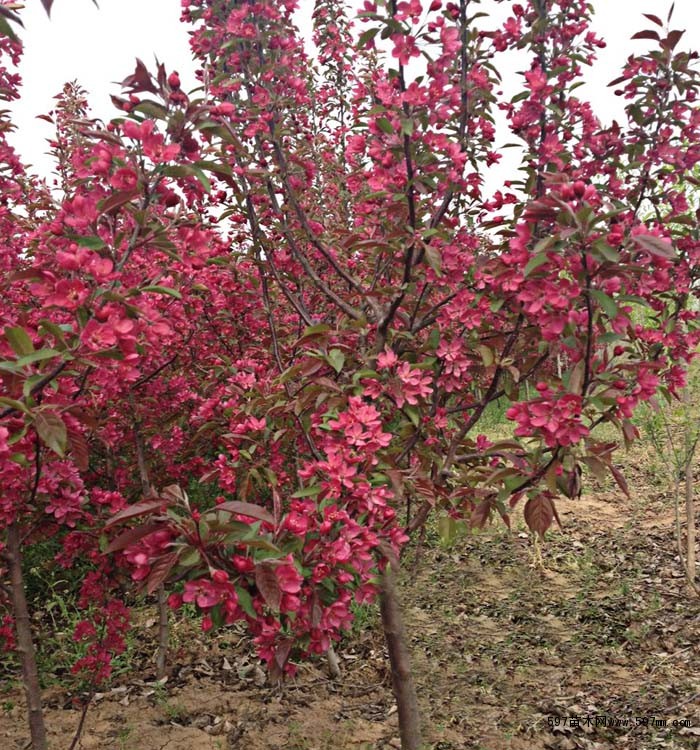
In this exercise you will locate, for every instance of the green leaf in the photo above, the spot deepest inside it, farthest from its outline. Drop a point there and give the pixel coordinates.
(204, 530)
(201, 175)
(30, 382)
(385, 125)
(190, 558)
(607, 303)
(245, 601)
(487, 355)
(544, 244)
(14, 404)
(93, 242)
(367, 36)
(311, 491)
(39, 356)
(188, 170)
(336, 359)
(162, 290)
(535, 262)
(214, 166)
(413, 414)
(312, 331)
(434, 258)
(56, 331)
(7, 30)
(407, 126)
(151, 109)
(19, 340)
(606, 252)
(610, 337)
(447, 529)
(52, 430)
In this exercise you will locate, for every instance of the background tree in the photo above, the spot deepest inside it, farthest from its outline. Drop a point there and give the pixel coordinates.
(292, 292)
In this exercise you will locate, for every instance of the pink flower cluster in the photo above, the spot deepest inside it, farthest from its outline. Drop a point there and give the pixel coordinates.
(556, 418)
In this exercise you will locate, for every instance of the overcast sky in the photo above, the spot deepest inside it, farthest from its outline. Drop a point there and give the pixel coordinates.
(98, 48)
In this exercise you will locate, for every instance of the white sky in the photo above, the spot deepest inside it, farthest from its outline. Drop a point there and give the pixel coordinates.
(98, 48)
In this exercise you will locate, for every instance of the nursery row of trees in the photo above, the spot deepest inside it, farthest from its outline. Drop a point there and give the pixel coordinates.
(249, 334)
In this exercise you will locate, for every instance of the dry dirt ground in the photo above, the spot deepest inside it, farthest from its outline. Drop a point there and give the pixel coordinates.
(595, 651)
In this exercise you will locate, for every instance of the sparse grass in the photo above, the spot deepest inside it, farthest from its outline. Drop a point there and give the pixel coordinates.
(366, 617)
(175, 711)
(123, 735)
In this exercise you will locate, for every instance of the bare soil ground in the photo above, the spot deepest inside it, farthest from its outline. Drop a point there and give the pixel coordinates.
(594, 651)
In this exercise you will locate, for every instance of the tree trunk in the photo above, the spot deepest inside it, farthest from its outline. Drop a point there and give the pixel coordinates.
(25, 642)
(690, 446)
(333, 663)
(401, 676)
(690, 522)
(149, 491)
(163, 633)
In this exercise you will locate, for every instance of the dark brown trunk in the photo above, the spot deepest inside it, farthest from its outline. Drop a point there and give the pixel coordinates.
(25, 642)
(149, 491)
(401, 676)
(690, 446)
(163, 633)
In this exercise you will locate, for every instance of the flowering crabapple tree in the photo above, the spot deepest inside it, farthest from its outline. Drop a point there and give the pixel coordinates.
(295, 292)
(102, 281)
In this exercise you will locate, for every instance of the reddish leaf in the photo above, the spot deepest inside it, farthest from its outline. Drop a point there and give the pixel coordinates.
(140, 80)
(160, 570)
(282, 651)
(630, 432)
(128, 537)
(52, 430)
(247, 509)
(310, 366)
(134, 511)
(84, 416)
(672, 39)
(653, 18)
(49, 3)
(648, 34)
(481, 514)
(27, 273)
(539, 513)
(7, 13)
(620, 479)
(116, 200)
(175, 494)
(277, 505)
(425, 489)
(596, 466)
(515, 499)
(268, 585)
(504, 516)
(396, 479)
(79, 448)
(655, 246)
